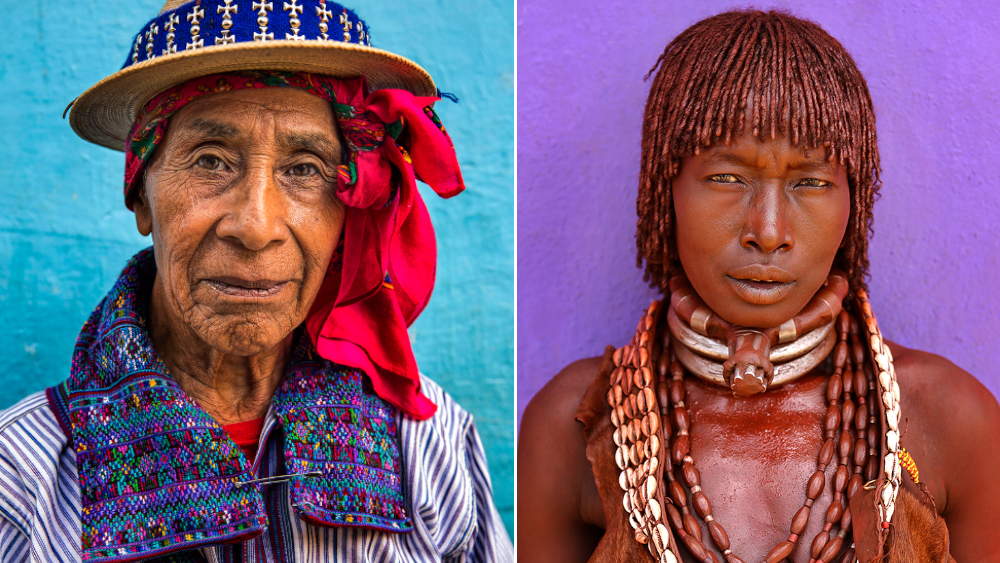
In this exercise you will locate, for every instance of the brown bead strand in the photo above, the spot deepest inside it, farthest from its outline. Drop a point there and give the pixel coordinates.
(824, 549)
(872, 431)
(684, 523)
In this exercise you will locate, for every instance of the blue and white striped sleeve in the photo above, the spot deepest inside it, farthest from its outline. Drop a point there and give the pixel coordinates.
(492, 543)
(39, 505)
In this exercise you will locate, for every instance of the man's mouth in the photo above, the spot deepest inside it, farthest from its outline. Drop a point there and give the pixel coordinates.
(247, 289)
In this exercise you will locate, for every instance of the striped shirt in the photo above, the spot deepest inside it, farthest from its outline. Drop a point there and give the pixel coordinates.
(448, 490)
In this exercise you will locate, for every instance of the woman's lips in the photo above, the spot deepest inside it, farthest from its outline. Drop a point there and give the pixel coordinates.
(247, 289)
(760, 292)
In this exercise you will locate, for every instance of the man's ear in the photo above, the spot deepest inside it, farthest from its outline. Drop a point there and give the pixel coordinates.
(143, 213)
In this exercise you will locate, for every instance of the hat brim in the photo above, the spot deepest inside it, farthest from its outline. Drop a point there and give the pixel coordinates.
(104, 113)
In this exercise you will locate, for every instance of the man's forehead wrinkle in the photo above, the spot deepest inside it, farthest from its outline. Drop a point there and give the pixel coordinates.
(210, 128)
(319, 142)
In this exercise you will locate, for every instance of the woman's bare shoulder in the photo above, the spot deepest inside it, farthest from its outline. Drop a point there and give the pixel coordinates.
(934, 388)
(559, 510)
(558, 400)
(950, 423)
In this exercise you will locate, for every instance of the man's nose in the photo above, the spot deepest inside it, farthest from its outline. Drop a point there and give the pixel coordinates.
(257, 212)
(767, 227)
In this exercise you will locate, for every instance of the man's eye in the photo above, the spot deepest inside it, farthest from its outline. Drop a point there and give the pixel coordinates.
(724, 178)
(304, 170)
(210, 162)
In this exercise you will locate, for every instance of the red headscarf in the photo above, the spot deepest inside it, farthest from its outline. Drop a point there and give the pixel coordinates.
(386, 275)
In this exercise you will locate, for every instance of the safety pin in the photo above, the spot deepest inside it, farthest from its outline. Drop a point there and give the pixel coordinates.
(278, 478)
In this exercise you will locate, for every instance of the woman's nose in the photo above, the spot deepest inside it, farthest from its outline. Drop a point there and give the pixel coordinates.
(256, 217)
(767, 227)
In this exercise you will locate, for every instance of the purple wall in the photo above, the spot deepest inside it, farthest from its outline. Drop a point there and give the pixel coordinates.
(935, 256)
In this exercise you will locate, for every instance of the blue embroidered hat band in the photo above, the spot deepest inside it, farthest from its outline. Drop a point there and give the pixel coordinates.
(201, 37)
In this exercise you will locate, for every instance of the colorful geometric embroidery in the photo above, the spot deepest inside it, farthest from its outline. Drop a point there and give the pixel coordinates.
(357, 450)
(158, 475)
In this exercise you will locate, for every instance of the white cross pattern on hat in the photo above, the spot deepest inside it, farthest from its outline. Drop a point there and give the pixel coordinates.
(324, 16)
(294, 10)
(262, 9)
(170, 26)
(195, 18)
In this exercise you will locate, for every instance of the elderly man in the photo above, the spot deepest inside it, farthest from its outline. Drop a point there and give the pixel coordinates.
(246, 391)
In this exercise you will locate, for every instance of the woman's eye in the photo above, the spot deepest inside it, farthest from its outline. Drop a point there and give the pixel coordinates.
(211, 162)
(304, 170)
(814, 183)
(724, 178)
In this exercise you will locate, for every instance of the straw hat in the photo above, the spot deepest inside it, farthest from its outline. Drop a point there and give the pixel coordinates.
(201, 37)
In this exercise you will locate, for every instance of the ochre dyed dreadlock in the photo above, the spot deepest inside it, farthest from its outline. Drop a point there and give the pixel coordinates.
(790, 78)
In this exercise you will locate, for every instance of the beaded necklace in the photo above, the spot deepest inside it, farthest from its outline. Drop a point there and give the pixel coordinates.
(648, 410)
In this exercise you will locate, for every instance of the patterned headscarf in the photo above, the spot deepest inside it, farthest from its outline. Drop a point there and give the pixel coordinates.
(383, 279)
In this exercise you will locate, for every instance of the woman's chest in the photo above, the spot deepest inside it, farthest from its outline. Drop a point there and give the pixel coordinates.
(761, 470)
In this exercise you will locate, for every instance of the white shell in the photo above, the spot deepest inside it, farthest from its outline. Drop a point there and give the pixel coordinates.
(667, 557)
(626, 503)
(623, 480)
(639, 518)
(895, 391)
(891, 467)
(632, 522)
(617, 437)
(882, 361)
(888, 512)
(887, 495)
(887, 399)
(654, 445)
(618, 459)
(892, 440)
(892, 419)
(657, 539)
(664, 535)
(654, 464)
(654, 509)
(876, 344)
(654, 422)
(650, 486)
(884, 381)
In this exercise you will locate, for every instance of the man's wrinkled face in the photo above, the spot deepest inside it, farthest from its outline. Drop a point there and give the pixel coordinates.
(758, 226)
(241, 202)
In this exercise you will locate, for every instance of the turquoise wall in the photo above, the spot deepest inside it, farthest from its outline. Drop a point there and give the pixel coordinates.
(65, 234)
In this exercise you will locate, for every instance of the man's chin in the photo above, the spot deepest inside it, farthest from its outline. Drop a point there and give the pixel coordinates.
(245, 335)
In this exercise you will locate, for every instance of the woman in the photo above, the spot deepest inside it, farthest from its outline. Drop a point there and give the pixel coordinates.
(759, 391)
(247, 389)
